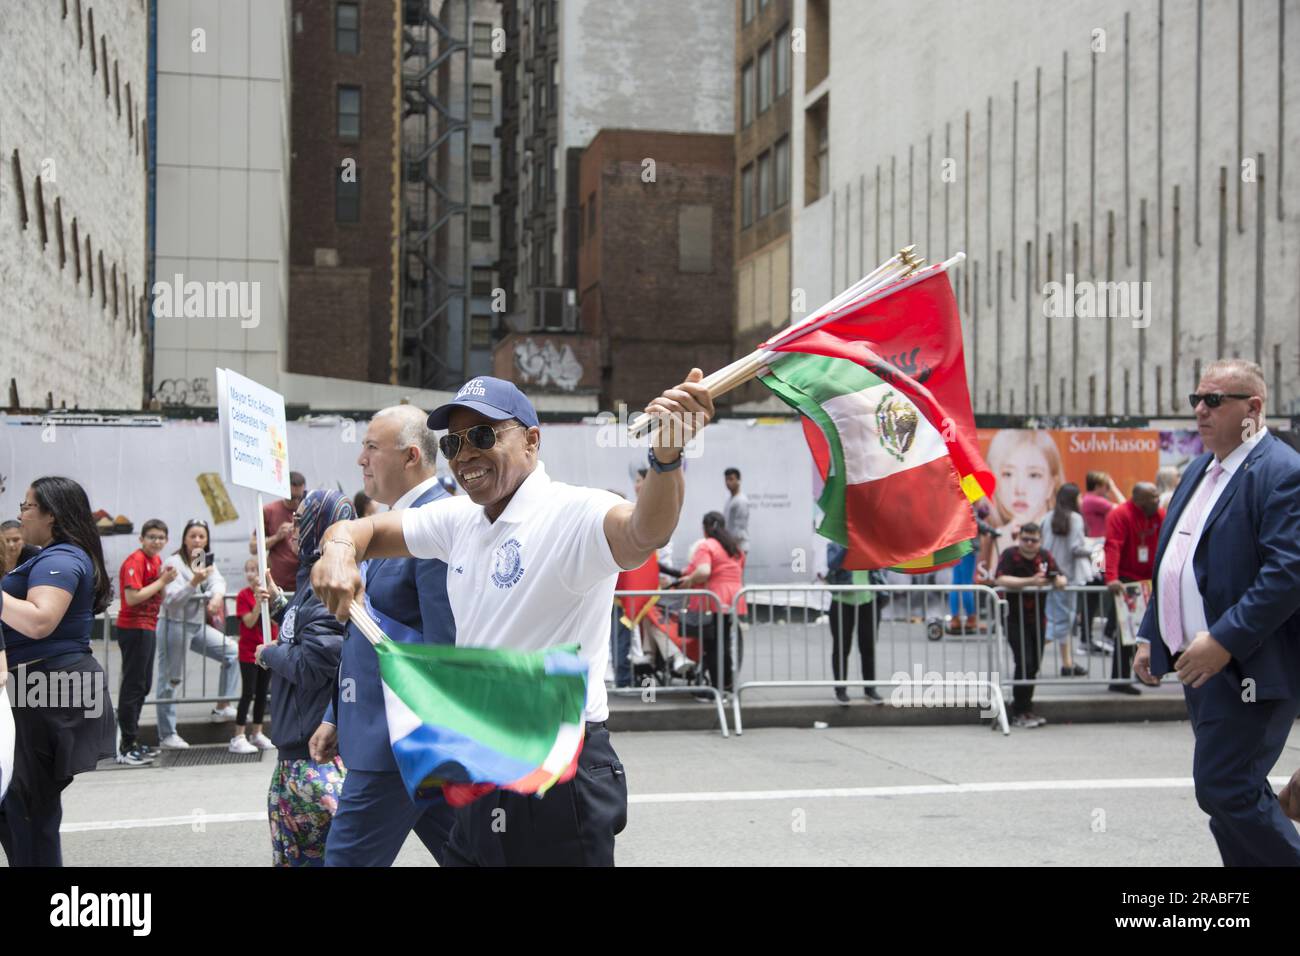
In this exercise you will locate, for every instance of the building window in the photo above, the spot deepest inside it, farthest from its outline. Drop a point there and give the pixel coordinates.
(40, 214)
(58, 225)
(555, 83)
(539, 182)
(349, 112)
(764, 184)
(539, 102)
(550, 255)
(762, 4)
(554, 173)
(480, 223)
(591, 215)
(482, 40)
(347, 195)
(347, 28)
(747, 94)
(746, 11)
(781, 160)
(480, 332)
(765, 78)
(482, 103)
(480, 282)
(783, 62)
(540, 15)
(816, 151)
(17, 166)
(481, 161)
(747, 196)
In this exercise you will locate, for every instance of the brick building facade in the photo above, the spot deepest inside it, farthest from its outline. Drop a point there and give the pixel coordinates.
(654, 258)
(343, 237)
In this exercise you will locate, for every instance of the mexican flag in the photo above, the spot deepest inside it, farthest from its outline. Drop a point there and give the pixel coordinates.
(881, 389)
(911, 337)
(891, 493)
(467, 720)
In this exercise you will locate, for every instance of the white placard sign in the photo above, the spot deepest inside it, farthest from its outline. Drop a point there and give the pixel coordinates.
(254, 435)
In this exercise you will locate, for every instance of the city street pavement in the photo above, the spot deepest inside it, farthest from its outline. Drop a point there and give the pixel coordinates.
(1084, 794)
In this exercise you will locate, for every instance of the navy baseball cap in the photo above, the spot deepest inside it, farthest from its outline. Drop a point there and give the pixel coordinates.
(493, 397)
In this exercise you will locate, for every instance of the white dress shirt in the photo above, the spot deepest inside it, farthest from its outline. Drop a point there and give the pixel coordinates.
(409, 498)
(1193, 605)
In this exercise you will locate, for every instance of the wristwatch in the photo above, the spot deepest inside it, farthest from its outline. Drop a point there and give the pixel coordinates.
(659, 466)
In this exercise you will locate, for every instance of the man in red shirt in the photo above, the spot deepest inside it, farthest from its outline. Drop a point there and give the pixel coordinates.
(142, 579)
(277, 520)
(1132, 532)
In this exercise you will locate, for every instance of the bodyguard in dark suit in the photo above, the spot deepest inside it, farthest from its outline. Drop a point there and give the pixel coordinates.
(375, 814)
(1225, 613)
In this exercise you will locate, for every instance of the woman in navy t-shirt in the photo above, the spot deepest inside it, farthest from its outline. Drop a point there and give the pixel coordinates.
(63, 716)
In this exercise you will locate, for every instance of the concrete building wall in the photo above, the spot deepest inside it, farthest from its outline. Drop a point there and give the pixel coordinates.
(1005, 104)
(665, 66)
(223, 163)
(72, 150)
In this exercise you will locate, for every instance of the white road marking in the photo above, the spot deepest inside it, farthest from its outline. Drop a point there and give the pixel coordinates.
(726, 796)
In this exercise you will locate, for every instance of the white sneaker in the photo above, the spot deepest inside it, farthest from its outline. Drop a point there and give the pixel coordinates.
(240, 745)
(261, 742)
(221, 716)
(173, 742)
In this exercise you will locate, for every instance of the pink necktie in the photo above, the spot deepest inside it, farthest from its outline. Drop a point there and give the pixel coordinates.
(1171, 568)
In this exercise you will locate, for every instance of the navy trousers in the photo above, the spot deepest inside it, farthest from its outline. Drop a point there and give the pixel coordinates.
(574, 824)
(376, 815)
(1237, 744)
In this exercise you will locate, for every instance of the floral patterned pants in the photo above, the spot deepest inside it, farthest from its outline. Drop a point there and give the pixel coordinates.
(303, 800)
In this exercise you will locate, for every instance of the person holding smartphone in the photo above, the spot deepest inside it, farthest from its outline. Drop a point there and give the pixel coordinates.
(192, 605)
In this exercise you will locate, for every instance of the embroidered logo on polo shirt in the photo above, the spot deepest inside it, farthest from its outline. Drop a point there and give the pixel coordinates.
(508, 567)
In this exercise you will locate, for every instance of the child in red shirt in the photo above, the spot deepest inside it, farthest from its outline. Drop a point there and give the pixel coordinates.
(256, 680)
(142, 580)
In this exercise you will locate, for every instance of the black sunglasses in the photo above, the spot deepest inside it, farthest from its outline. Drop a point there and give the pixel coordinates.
(1213, 399)
(481, 437)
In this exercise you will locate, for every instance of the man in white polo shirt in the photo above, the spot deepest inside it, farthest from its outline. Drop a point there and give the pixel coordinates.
(531, 563)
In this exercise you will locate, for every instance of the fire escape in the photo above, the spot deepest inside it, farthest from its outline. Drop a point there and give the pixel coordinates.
(435, 204)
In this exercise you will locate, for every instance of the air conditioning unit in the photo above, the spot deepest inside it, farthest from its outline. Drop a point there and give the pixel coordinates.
(555, 310)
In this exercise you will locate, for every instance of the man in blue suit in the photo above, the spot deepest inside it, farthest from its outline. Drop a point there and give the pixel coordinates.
(375, 815)
(1225, 613)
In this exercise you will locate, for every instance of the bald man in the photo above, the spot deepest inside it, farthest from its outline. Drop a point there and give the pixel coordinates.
(1132, 532)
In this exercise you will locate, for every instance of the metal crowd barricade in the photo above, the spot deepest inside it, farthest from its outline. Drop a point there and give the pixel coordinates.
(790, 642)
(1099, 658)
(107, 658)
(655, 677)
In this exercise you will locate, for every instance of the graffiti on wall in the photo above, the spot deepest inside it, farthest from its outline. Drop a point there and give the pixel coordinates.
(180, 391)
(546, 365)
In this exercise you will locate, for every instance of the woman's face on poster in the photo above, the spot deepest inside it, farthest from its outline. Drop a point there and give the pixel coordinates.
(1025, 484)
